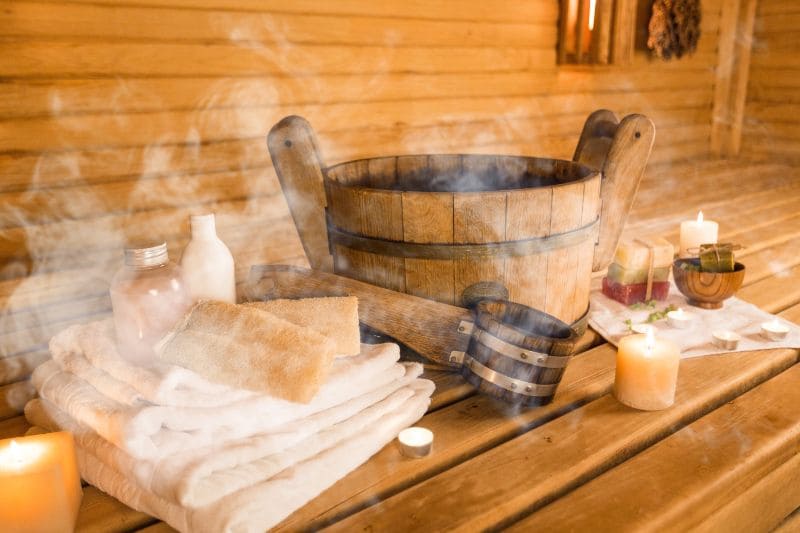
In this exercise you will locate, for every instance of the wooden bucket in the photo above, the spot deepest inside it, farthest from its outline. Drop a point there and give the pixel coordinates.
(434, 225)
(516, 353)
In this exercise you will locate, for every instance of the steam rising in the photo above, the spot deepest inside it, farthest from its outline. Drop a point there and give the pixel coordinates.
(124, 156)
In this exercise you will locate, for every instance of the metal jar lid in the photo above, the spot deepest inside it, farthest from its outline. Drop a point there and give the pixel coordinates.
(142, 256)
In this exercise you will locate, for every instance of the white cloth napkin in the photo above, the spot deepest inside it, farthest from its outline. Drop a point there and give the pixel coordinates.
(150, 431)
(608, 316)
(329, 456)
(200, 476)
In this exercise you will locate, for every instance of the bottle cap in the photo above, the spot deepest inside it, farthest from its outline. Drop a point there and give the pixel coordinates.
(146, 255)
(202, 225)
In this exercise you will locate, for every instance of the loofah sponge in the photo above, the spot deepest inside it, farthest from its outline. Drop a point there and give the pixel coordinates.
(248, 348)
(334, 317)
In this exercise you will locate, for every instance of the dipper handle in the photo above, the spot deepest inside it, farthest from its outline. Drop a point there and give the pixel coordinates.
(296, 157)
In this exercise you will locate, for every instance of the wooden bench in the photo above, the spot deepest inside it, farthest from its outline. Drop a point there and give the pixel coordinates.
(725, 457)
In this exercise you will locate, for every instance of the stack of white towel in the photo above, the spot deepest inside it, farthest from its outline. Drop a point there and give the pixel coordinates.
(205, 457)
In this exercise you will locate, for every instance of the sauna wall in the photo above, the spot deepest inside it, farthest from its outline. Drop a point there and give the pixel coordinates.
(772, 113)
(119, 118)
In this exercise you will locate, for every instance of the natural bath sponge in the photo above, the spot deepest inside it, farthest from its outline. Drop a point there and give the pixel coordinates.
(334, 317)
(248, 348)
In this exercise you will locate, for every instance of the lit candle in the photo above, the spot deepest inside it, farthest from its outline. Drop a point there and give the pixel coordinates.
(40, 488)
(416, 442)
(647, 372)
(697, 232)
(726, 340)
(680, 319)
(774, 331)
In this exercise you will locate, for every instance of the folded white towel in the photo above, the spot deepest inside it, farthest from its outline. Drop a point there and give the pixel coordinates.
(198, 477)
(151, 431)
(331, 455)
(159, 383)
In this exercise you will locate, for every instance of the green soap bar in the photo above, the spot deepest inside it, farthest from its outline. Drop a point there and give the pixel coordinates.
(627, 276)
(716, 258)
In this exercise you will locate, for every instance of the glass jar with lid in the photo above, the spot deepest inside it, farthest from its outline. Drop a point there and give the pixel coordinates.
(148, 297)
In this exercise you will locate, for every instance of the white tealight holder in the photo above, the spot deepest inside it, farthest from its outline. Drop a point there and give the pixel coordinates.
(726, 340)
(680, 319)
(416, 442)
(774, 331)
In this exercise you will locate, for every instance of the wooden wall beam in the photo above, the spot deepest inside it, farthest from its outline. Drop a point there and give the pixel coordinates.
(732, 74)
(624, 32)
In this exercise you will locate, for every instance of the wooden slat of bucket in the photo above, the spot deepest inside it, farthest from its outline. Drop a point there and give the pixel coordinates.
(371, 213)
(344, 208)
(590, 212)
(478, 217)
(382, 217)
(528, 216)
(427, 218)
(562, 265)
(382, 172)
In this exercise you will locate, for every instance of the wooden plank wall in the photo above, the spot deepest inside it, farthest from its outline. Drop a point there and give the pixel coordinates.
(772, 113)
(118, 118)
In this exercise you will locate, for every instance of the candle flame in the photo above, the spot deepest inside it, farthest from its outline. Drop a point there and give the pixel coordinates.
(17, 455)
(416, 436)
(699, 217)
(649, 341)
(679, 312)
(592, 6)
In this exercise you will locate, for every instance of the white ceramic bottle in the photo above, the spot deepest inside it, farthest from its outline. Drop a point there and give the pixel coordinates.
(207, 264)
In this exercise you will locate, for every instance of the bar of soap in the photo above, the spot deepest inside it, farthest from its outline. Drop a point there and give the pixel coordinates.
(626, 276)
(248, 348)
(634, 292)
(334, 317)
(716, 257)
(636, 255)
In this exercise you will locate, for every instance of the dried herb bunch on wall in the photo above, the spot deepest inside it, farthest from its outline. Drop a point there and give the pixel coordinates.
(674, 28)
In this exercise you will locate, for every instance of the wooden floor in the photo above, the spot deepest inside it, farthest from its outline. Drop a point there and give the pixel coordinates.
(726, 457)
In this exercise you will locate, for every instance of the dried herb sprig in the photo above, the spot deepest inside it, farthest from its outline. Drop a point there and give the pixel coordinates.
(655, 316)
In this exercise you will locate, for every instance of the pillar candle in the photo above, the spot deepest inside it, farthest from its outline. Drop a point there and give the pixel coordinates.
(697, 232)
(40, 488)
(647, 372)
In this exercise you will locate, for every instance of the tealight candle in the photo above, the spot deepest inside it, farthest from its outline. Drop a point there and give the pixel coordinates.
(416, 442)
(726, 340)
(39, 483)
(647, 372)
(697, 232)
(774, 331)
(680, 319)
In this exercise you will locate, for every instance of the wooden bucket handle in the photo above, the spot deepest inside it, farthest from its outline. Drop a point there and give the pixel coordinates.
(297, 159)
(619, 150)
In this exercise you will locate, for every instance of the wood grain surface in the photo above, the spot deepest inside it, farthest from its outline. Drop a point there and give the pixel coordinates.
(118, 117)
(485, 423)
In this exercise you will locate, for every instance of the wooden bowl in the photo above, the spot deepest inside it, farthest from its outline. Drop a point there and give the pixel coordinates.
(707, 289)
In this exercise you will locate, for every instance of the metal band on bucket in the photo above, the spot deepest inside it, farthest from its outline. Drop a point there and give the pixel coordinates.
(504, 382)
(415, 250)
(520, 354)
